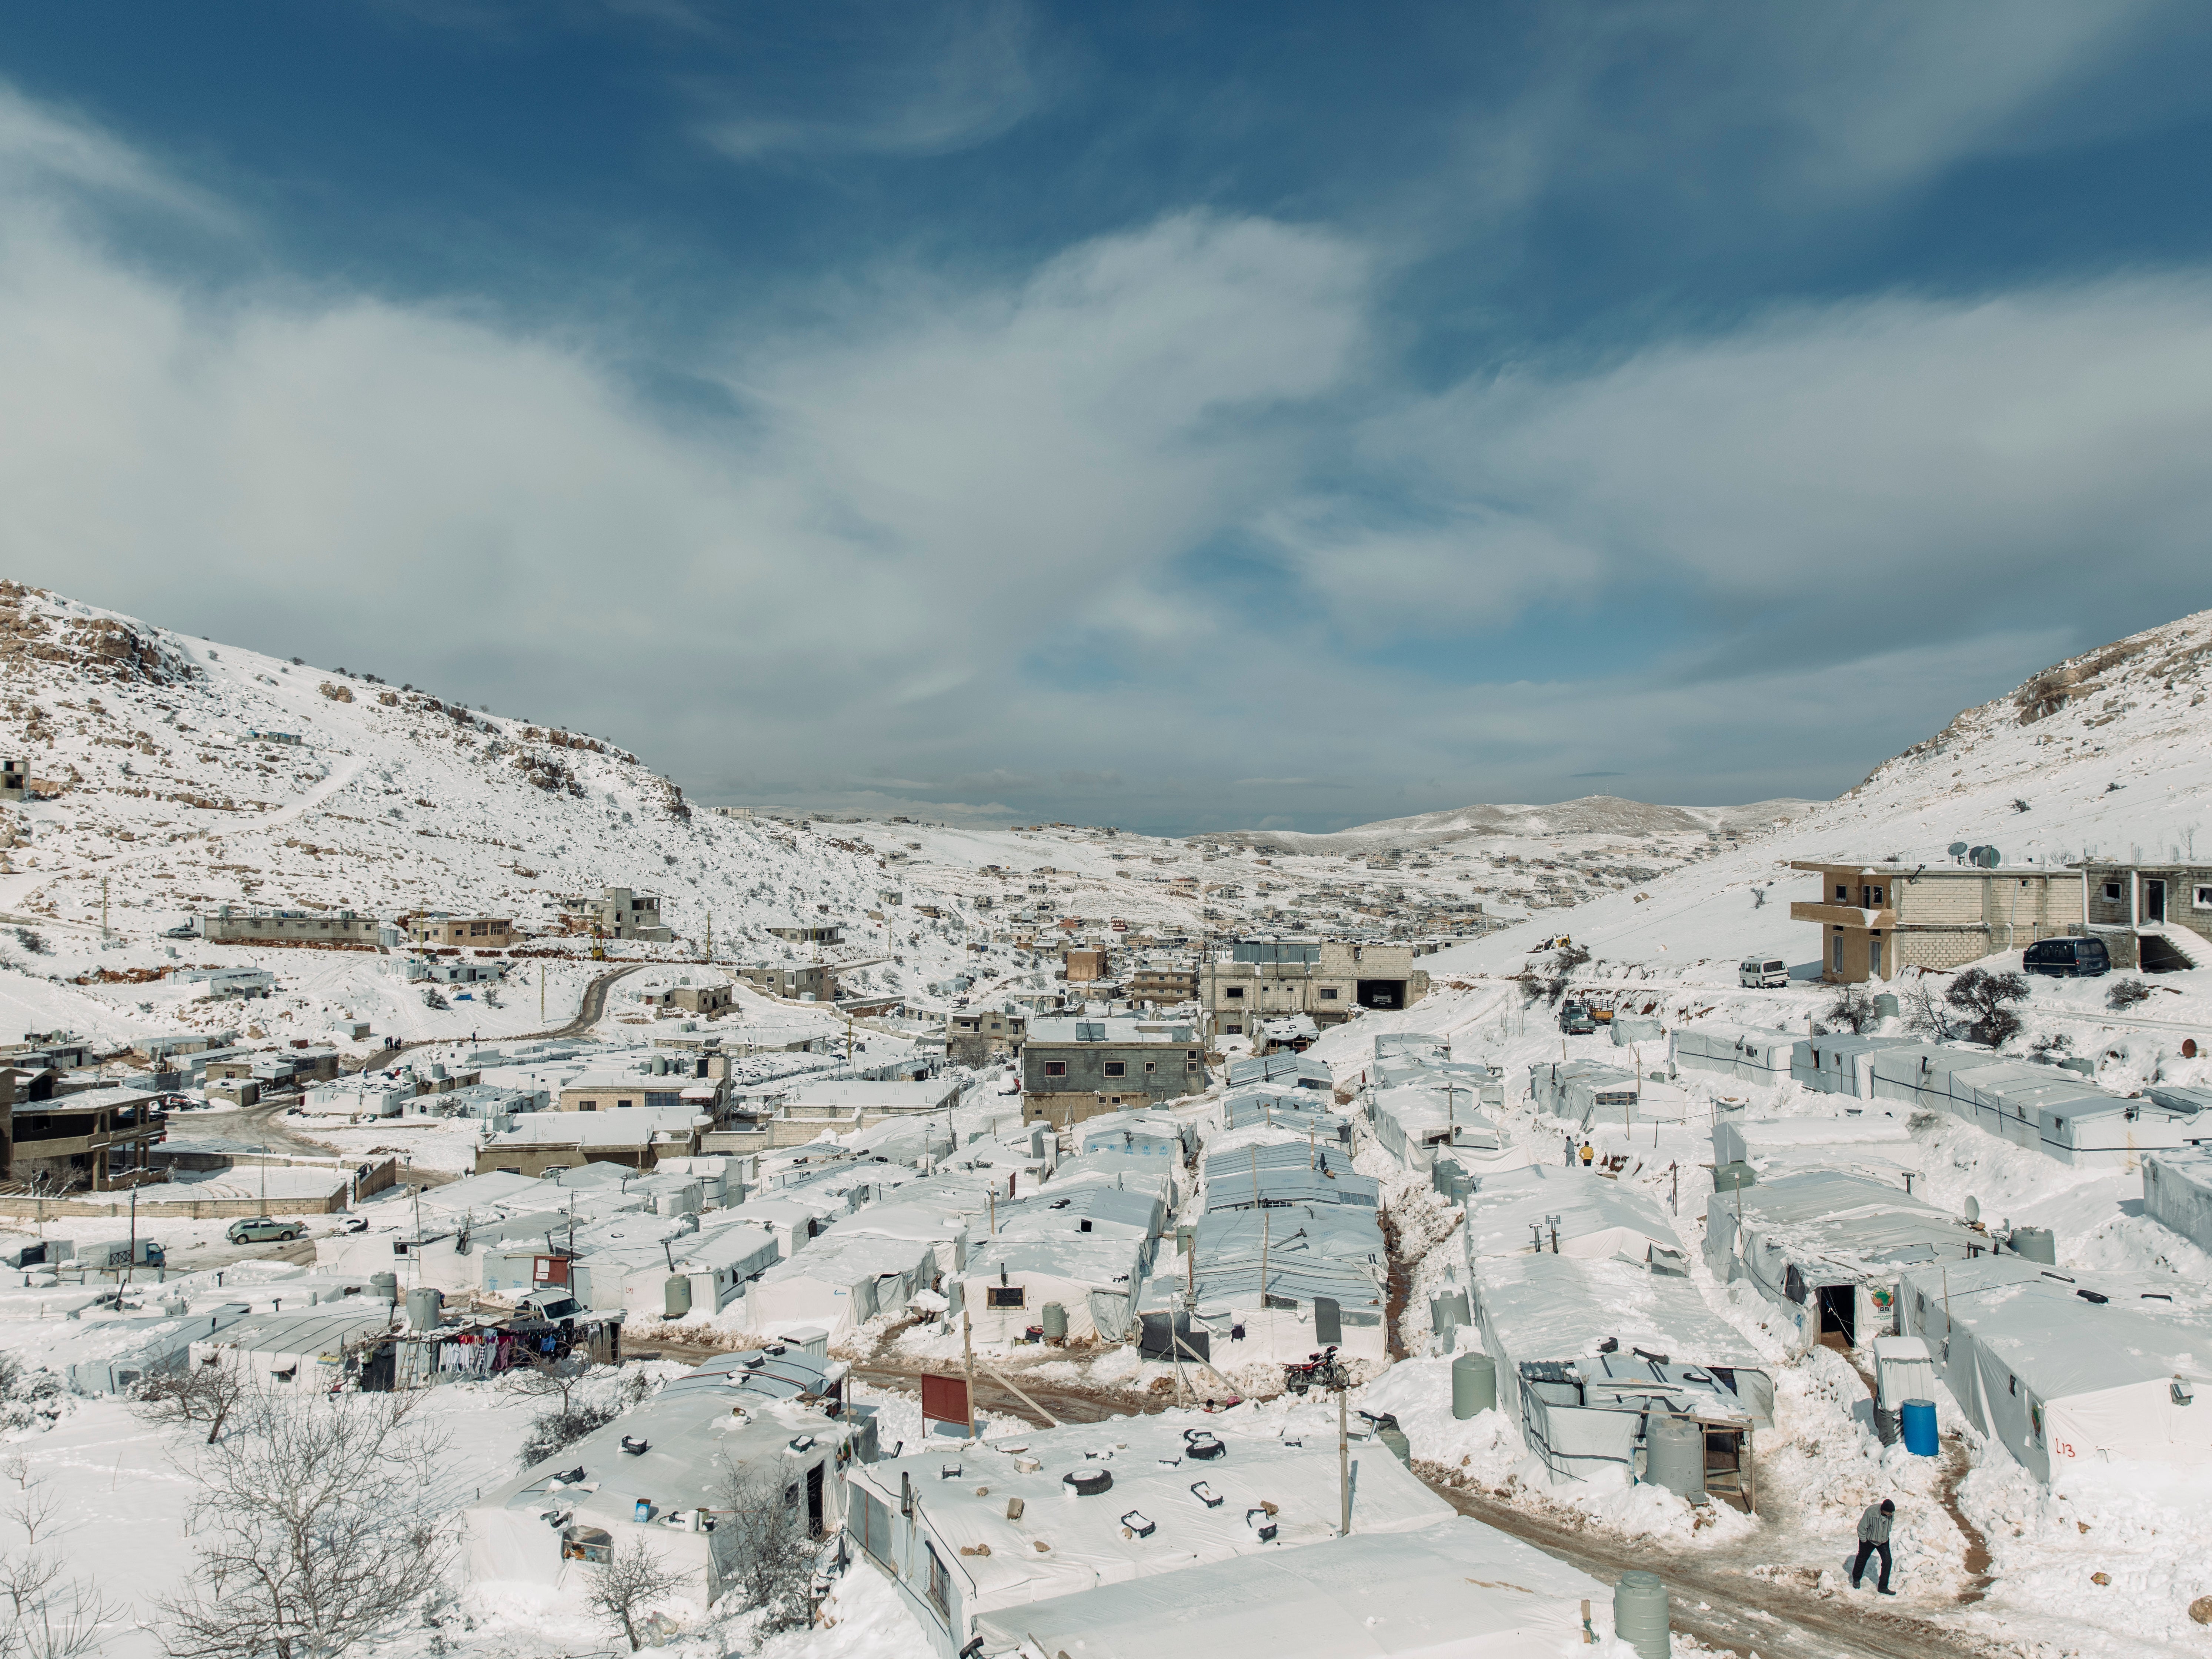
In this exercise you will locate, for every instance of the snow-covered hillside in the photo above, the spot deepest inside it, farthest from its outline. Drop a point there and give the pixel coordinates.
(165, 796)
(2108, 754)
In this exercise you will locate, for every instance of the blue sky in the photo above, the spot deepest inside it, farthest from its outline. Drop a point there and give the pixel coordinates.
(1181, 418)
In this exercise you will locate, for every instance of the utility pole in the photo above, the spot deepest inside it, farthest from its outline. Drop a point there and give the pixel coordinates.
(541, 994)
(131, 1260)
(103, 910)
(968, 1367)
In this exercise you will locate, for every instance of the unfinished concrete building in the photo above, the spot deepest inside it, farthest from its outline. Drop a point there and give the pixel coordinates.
(1877, 917)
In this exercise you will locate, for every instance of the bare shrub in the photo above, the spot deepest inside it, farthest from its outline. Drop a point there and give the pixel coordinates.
(624, 1589)
(1852, 1011)
(762, 1546)
(2125, 993)
(1987, 1000)
(318, 1525)
(199, 1393)
(44, 1613)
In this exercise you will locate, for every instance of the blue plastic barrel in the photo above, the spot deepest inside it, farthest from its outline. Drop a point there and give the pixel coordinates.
(1920, 1427)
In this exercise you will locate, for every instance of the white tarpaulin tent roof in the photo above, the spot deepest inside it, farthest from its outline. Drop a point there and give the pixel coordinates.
(1088, 1544)
(1595, 1218)
(1412, 1123)
(838, 1282)
(1453, 1589)
(1875, 1143)
(2063, 1367)
(1536, 1307)
(1307, 1251)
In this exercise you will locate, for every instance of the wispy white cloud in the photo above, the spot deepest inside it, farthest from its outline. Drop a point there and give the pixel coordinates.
(936, 80)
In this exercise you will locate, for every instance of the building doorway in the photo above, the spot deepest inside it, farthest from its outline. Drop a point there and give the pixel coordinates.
(2154, 899)
(1839, 1307)
(814, 1502)
(1381, 993)
(1874, 957)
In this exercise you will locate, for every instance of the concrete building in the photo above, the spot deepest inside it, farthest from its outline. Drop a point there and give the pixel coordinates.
(621, 913)
(96, 1139)
(1086, 965)
(978, 1039)
(1323, 979)
(483, 933)
(556, 1140)
(226, 926)
(795, 980)
(1074, 1069)
(1160, 981)
(1876, 918)
(2153, 916)
(704, 999)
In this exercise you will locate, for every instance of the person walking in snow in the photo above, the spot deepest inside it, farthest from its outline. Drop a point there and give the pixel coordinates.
(1589, 1153)
(1571, 1151)
(1874, 1538)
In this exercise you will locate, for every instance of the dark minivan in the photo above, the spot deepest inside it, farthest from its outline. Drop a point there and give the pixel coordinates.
(2068, 959)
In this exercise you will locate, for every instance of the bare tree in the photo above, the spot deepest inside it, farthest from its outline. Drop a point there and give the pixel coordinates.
(763, 1547)
(624, 1587)
(44, 1613)
(1925, 1012)
(319, 1525)
(199, 1393)
(566, 1419)
(1987, 999)
(1852, 1011)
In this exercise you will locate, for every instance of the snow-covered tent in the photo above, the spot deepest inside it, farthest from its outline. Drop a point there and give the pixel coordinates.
(113, 1356)
(1572, 1213)
(1285, 1071)
(1839, 1065)
(944, 1231)
(1090, 1210)
(1593, 1096)
(1416, 1123)
(1456, 1589)
(2040, 1108)
(714, 1263)
(1138, 1132)
(1007, 1283)
(958, 1557)
(2177, 1193)
(1548, 1320)
(1288, 1172)
(1299, 1110)
(839, 1282)
(540, 1531)
(1156, 1177)
(2066, 1368)
(1875, 1143)
(1757, 1057)
(1826, 1248)
(301, 1350)
(1256, 1274)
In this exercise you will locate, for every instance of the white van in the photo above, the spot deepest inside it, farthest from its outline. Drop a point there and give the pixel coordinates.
(1763, 973)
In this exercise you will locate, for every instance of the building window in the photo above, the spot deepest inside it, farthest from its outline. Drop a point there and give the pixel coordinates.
(1329, 994)
(1151, 1065)
(1004, 1296)
(1055, 1068)
(2204, 898)
(941, 1583)
(1235, 991)
(1842, 892)
(1233, 1030)
(1117, 1068)
(2112, 893)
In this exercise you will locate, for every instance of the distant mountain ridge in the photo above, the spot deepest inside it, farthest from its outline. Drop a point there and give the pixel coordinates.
(1590, 815)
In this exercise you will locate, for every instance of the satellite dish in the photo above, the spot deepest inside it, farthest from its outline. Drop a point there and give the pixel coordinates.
(1958, 849)
(1989, 858)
